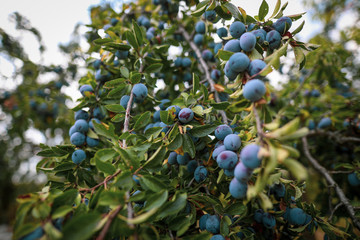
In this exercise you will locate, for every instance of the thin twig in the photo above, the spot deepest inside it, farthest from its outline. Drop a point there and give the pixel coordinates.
(334, 135)
(258, 124)
(335, 208)
(205, 68)
(102, 183)
(127, 116)
(341, 172)
(104, 231)
(330, 180)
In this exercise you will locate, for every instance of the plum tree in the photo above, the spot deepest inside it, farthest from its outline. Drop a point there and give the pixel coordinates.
(191, 144)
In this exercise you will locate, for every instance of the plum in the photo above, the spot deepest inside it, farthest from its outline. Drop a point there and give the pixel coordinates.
(92, 142)
(254, 90)
(217, 237)
(258, 215)
(200, 174)
(247, 41)
(237, 189)
(97, 63)
(210, 15)
(191, 166)
(229, 172)
(229, 73)
(182, 159)
(72, 130)
(156, 116)
(207, 55)
(242, 173)
(217, 151)
(97, 113)
(198, 39)
(202, 221)
(186, 115)
(282, 25)
(353, 179)
(232, 46)
(200, 27)
(238, 62)
(256, 66)
(81, 125)
(222, 131)
(174, 109)
(86, 88)
(178, 62)
(324, 123)
(140, 92)
(78, 156)
(172, 159)
(274, 39)
(249, 156)
(260, 35)
(121, 54)
(237, 29)
(81, 114)
(213, 224)
(77, 139)
(227, 159)
(222, 32)
(215, 74)
(297, 216)
(278, 190)
(232, 142)
(186, 62)
(268, 220)
(217, 47)
(163, 103)
(311, 124)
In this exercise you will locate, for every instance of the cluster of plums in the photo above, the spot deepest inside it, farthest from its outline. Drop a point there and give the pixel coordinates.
(184, 64)
(323, 123)
(211, 223)
(139, 91)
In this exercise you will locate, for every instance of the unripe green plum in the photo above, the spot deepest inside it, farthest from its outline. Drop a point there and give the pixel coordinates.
(254, 90)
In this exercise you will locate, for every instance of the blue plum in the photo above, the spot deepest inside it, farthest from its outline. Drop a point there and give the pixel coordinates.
(254, 90)
(249, 156)
(324, 123)
(222, 131)
(238, 62)
(91, 124)
(186, 115)
(315, 93)
(178, 62)
(217, 47)
(174, 109)
(77, 139)
(247, 41)
(242, 173)
(97, 63)
(114, 21)
(232, 46)
(297, 216)
(213, 224)
(124, 101)
(81, 114)
(268, 220)
(92, 142)
(237, 29)
(182, 159)
(222, 32)
(278, 190)
(72, 130)
(229, 172)
(191, 166)
(200, 27)
(97, 113)
(140, 92)
(227, 159)
(121, 54)
(156, 116)
(258, 215)
(256, 66)
(200, 174)
(260, 35)
(215, 74)
(229, 73)
(217, 237)
(172, 159)
(232, 142)
(210, 15)
(81, 125)
(282, 25)
(186, 62)
(274, 39)
(86, 88)
(353, 179)
(198, 39)
(187, 77)
(237, 189)
(207, 55)
(163, 103)
(311, 124)
(217, 151)
(202, 221)
(36, 234)
(78, 156)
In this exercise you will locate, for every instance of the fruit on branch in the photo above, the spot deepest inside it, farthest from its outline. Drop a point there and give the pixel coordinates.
(78, 156)
(254, 90)
(207, 55)
(140, 92)
(222, 32)
(238, 62)
(258, 215)
(237, 29)
(124, 101)
(210, 15)
(213, 224)
(185, 62)
(163, 103)
(232, 142)
(217, 47)
(122, 54)
(242, 173)
(237, 189)
(198, 39)
(222, 131)
(217, 237)
(311, 124)
(77, 139)
(36, 234)
(174, 110)
(282, 25)
(217, 151)
(297, 216)
(81, 126)
(97, 113)
(324, 123)
(200, 27)
(249, 156)
(232, 46)
(191, 166)
(256, 66)
(227, 159)
(186, 115)
(268, 220)
(172, 159)
(96, 64)
(200, 174)
(81, 114)
(260, 35)
(247, 41)
(91, 142)
(182, 159)
(274, 39)
(278, 190)
(353, 179)
(215, 74)
(202, 221)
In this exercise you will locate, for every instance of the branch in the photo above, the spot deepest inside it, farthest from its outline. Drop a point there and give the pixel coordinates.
(333, 211)
(334, 135)
(330, 180)
(130, 210)
(102, 183)
(108, 223)
(258, 123)
(127, 116)
(205, 68)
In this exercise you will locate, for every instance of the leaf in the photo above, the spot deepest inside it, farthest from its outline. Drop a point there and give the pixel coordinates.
(64, 167)
(243, 13)
(143, 120)
(280, 14)
(200, 8)
(125, 72)
(105, 167)
(295, 135)
(135, 77)
(276, 9)
(156, 67)
(141, 218)
(114, 83)
(234, 11)
(263, 10)
(154, 162)
(67, 198)
(108, 198)
(220, 105)
(172, 208)
(105, 130)
(203, 131)
(131, 39)
(188, 145)
(82, 226)
(105, 154)
(299, 55)
(116, 108)
(175, 143)
(224, 55)
(298, 29)
(61, 212)
(274, 59)
(196, 84)
(138, 33)
(118, 46)
(156, 200)
(236, 209)
(296, 169)
(102, 41)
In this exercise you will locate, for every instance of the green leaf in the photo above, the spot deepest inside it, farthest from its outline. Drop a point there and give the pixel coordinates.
(64, 167)
(105, 154)
(114, 83)
(61, 212)
(105, 130)
(156, 67)
(299, 55)
(82, 226)
(67, 198)
(105, 167)
(116, 108)
(200, 8)
(196, 84)
(176, 143)
(298, 29)
(203, 130)
(263, 11)
(152, 183)
(276, 9)
(296, 169)
(108, 198)
(224, 226)
(138, 33)
(280, 14)
(155, 161)
(143, 120)
(131, 39)
(224, 55)
(156, 200)
(274, 59)
(173, 207)
(188, 145)
(236, 209)
(125, 72)
(165, 117)
(118, 46)
(220, 105)
(102, 41)
(234, 11)
(135, 77)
